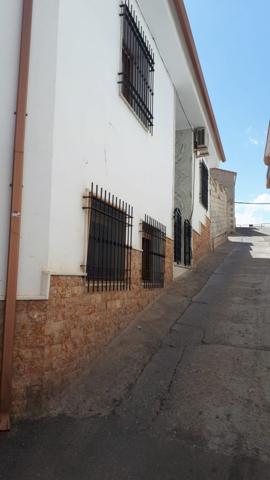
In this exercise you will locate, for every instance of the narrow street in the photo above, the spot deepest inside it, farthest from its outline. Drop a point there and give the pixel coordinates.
(182, 393)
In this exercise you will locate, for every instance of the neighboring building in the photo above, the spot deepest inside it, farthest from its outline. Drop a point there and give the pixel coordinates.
(117, 108)
(218, 213)
(222, 211)
(267, 157)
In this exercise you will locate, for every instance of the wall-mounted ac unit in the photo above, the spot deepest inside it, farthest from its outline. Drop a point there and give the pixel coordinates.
(201, 141)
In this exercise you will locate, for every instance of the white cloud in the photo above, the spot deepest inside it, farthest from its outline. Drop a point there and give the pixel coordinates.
(254, 214)
(249, 129)
(254, 141)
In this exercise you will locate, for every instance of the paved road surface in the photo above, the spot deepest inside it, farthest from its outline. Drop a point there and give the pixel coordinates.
(183, 393)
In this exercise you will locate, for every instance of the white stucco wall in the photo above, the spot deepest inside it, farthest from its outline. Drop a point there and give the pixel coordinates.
(38, 151)
(97, 137)
(80, 130)
(38, 140)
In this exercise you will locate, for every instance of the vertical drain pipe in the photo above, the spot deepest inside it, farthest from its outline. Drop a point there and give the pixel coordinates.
(15, 219)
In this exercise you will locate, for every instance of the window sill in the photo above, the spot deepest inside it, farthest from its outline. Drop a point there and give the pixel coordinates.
(134, 114)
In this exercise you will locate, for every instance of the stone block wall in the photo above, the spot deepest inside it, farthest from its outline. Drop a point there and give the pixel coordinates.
(218, 212)
(57, 339)
(227, 179)
(201, 242)
(231, 222)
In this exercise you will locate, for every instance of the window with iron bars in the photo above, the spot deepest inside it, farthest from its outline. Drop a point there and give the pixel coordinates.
(153, 255)
(204, 185)
(137, 74)
(110, 221)
(177, 236)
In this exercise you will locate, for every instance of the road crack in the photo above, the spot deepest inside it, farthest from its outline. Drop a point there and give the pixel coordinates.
(163, 399)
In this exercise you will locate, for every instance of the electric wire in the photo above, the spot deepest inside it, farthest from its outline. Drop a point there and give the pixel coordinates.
(253, 203)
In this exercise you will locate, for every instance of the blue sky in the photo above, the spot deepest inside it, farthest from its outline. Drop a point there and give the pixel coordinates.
(232, 39)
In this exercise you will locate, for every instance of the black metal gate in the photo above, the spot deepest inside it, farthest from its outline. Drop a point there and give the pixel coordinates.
(187, 242)
(177, 236)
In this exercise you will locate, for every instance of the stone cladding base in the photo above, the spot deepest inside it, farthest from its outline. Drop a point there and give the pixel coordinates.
(57, 339)
(201, 243)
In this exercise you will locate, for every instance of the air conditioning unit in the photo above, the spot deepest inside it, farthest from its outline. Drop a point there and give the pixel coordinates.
(201, 141)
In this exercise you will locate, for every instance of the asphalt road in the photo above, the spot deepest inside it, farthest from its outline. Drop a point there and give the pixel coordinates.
(183, 393)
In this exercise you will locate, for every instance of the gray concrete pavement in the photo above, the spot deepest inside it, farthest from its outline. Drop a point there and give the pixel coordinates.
(182, 393)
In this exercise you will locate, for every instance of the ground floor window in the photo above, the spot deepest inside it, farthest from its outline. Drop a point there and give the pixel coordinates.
(153, 253)
(204, 185)
(108, 264)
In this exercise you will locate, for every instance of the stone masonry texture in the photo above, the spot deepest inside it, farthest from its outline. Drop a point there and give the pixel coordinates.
(227, 179)
(201, 242)
(218, 212)
(183, 172)
(57, 339)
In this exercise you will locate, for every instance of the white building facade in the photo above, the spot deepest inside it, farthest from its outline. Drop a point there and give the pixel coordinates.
(115, 95)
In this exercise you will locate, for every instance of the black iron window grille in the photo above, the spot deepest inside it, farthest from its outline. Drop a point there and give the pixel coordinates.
(153, 255)
(204, 185)
(137, 74)
(177, 236)
(187, 242)
(110, 221)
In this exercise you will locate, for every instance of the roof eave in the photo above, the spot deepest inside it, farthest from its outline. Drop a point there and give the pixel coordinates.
(186, 29)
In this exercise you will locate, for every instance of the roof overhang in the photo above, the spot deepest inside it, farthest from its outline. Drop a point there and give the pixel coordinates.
(189, 40)
(169, 25)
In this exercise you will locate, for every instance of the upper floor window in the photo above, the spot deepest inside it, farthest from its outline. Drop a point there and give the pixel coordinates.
(204, 185)
(137, 73)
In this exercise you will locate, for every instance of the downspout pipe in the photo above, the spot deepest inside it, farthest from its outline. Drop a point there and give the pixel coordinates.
(15, 219)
